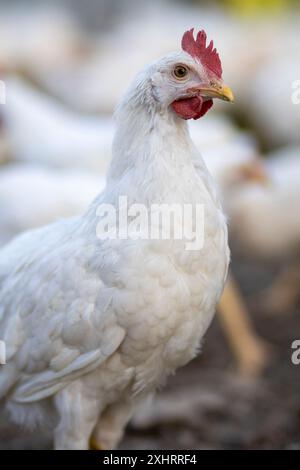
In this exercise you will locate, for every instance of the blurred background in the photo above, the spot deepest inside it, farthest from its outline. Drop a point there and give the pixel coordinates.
(63, 67)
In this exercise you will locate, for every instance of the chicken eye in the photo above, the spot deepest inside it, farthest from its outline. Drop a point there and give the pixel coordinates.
(180, 72)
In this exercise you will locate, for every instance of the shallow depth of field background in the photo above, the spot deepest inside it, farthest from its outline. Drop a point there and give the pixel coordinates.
(65, 64)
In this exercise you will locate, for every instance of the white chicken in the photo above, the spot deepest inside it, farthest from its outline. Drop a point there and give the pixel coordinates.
(93, 323)
(32, 196)
(50, 38)
(265, 225)
(270, 92)
(63, 139)
(275, 110)
(258, 211)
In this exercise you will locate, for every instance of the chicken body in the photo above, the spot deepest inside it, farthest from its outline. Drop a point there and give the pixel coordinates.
(62, 139)
(32, 196)
(258, 211)
(92, 325)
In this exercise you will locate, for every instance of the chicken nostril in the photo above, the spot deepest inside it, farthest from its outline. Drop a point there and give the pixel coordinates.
(214, 84)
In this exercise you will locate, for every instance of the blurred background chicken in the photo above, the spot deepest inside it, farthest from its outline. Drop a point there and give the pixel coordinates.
(63, 79)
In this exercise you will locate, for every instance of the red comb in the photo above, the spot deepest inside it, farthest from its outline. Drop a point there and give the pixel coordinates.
(208, 56)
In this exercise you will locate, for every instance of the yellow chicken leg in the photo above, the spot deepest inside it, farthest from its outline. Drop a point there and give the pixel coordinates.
(95, 445)
(252, 352)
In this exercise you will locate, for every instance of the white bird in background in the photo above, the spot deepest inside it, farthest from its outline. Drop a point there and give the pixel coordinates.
(34, 196)
(110, 55)
(63, 139)
(275, 109)
(230, 155)
(264, 224)
(269, 92)
(258, 211)
(93, 325)
(38, 40)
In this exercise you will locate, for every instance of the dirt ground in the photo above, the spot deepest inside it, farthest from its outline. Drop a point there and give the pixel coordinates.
(207, 405)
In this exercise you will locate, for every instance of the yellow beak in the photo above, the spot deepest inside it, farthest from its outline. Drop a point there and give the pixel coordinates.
(223, 92)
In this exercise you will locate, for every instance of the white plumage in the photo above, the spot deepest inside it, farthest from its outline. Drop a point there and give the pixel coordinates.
(269, 79)
(264, 217)
(70, 142)
(92, 325)
(32, 196)
(50, 38)
(275, 109)
(62, 138)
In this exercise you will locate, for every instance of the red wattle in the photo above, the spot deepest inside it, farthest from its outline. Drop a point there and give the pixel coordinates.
(191, 108)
